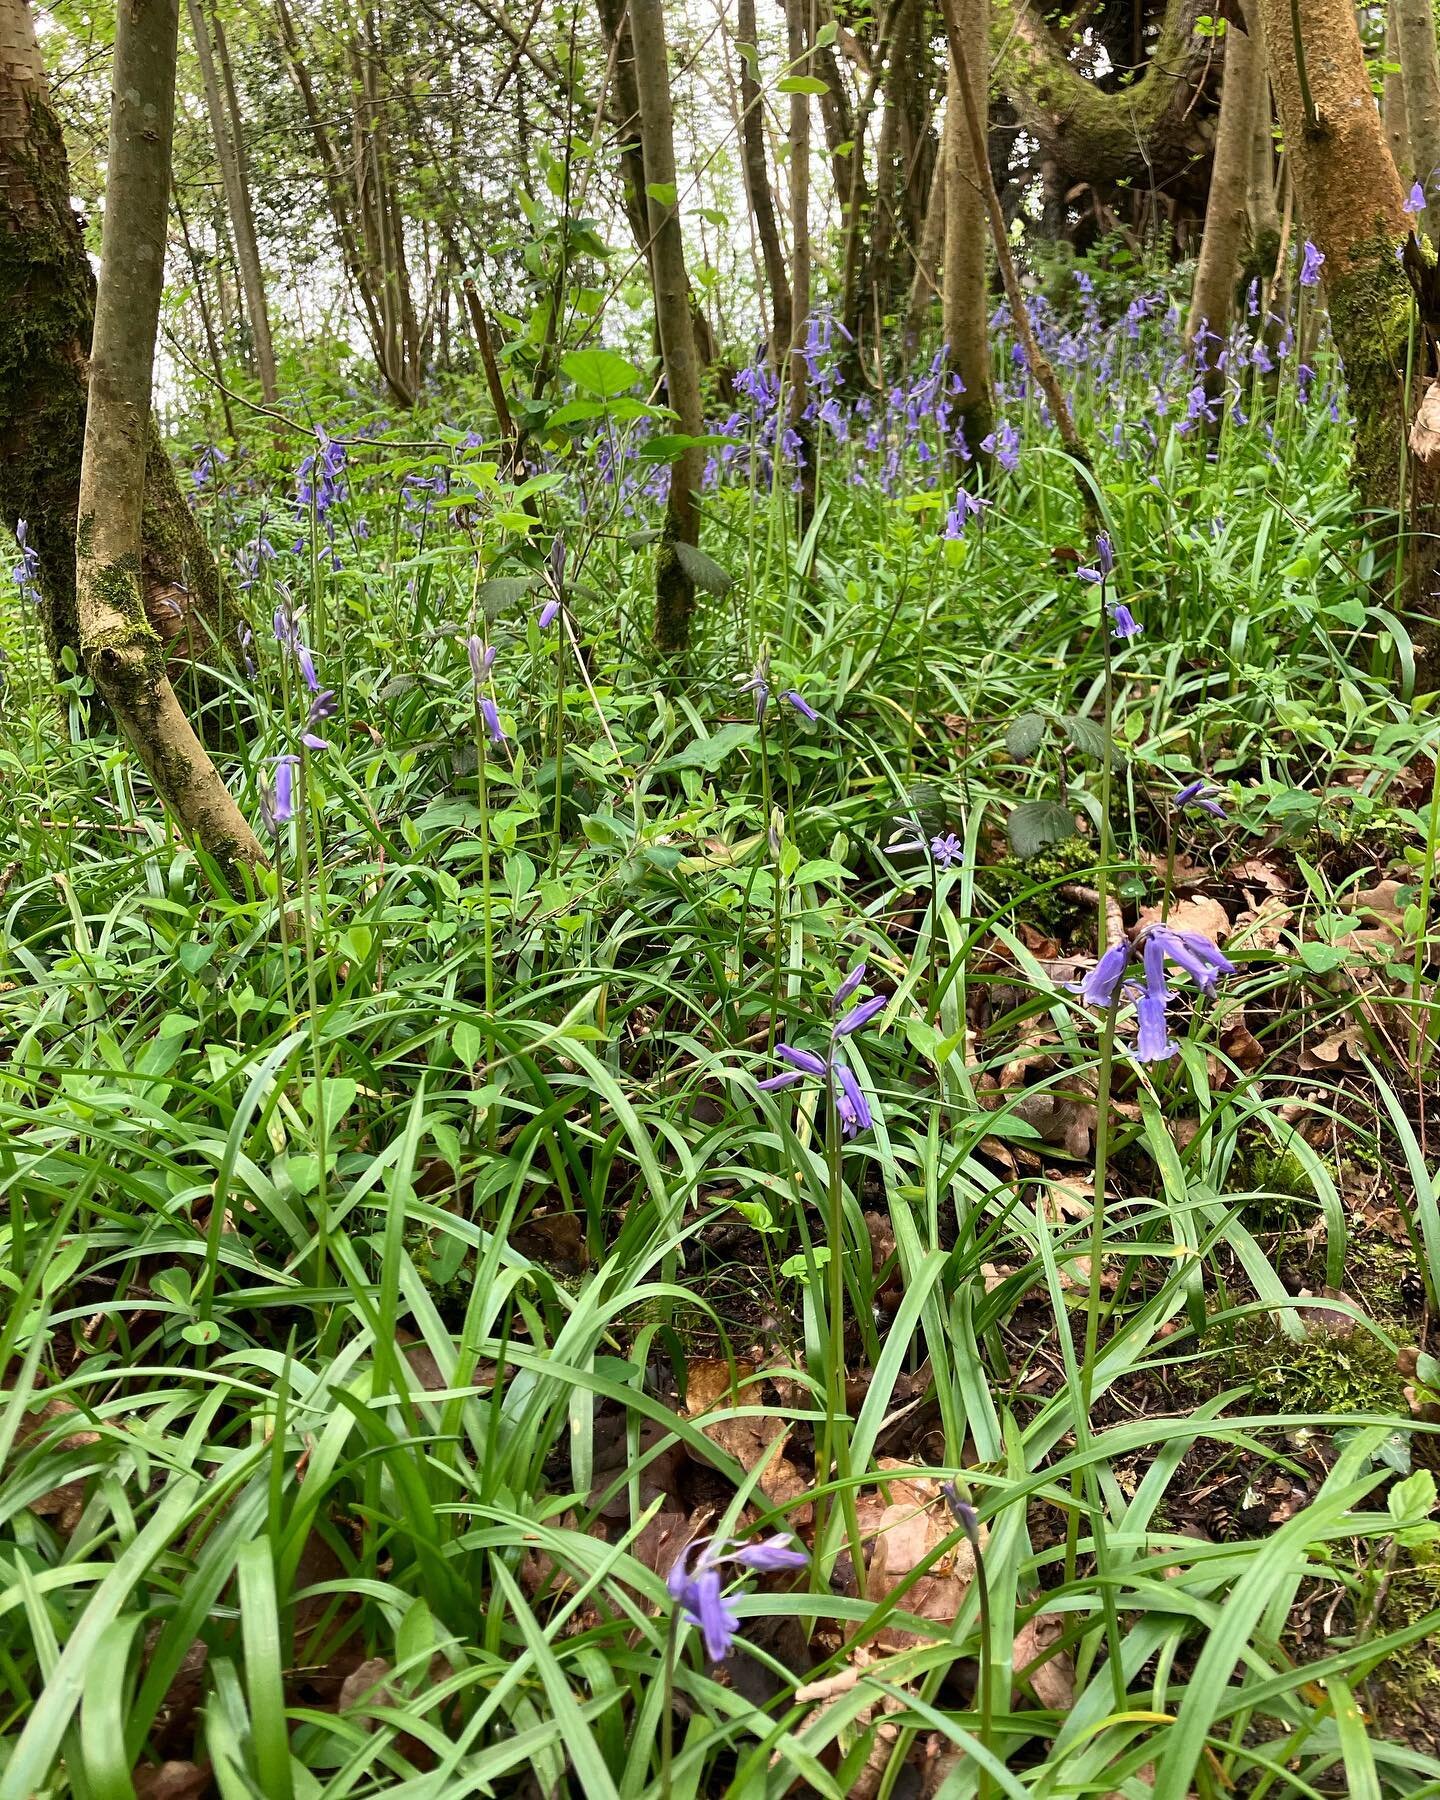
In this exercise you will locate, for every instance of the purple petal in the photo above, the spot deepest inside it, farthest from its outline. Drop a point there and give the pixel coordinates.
(1153, 1043)
(284, 802)
(311, 742)
(704, 1605)
(857, 1117)
(770, 1554)
(860, 1015)
(801, 705)
(1100, 986)
(804, 1060)
(307, 667)
(1124, 621)
(491, 716)
(549, 612)
(773, 1083)
(848, 987)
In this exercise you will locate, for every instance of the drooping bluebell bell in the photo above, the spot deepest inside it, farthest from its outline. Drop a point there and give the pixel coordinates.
(491, 715)
(322, 707)
(758, 684)
(26, 573)
(849, 987)
(801, 705)
(1311, 264)
(1415, 201)
(851, 1106)
(277, 791)
(1123, 622)
(1201, 795)
(548, 613)
(697, 1588)
(1101, 986)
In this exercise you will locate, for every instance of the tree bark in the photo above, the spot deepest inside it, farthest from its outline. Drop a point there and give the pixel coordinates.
(46, 298)
(1420, 60)
(1147, 131)
(797, 20)
(1218, 270)
(965, 308)
(929, 260)
(125, 658)
(757, 179)
(674, 583)
(225, 130)
(1349, 195)
(1392, 104)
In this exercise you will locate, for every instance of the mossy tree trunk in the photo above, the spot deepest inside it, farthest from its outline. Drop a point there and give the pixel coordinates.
(674, 583)
(46, 301)
(1218, 270)
(965, 307)
(1148, 130)
(123, 654)
(1351, 199)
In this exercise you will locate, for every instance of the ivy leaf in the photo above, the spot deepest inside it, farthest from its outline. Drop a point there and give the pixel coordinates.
(1089, 738)
(1036, 823)
(1024, 736)
(703, 570)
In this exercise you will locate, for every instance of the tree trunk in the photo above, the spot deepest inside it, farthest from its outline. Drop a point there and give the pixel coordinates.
(965, 308)
(46, 298)
(1420, 60)
(1218, 271)
(929, 257)
(1147, 131)
(1392, 105)
(625, 113)
(757, 179)
(125, 658)
(226, 133)
(1349, 194)
(797, 21)
(674, 582)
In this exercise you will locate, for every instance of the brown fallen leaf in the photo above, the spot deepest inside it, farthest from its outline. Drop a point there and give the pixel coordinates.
(913, 1522)
(1205, 916)
(1347, 1043)
(1425, 432)
(757, 1439)
(173, 1781)
(822, 1695)
(1240, 1043)
(1047, 1672)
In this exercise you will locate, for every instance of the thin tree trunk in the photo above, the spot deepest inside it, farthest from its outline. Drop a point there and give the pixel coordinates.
(757, 179)
(965, 308)
(1420, 60)
(925, 287)
(207, 323)
(674, 582)
(797, 21)
(46, 298)
(1218, 270)
(1351, 199)
(1392, 103)
(225, 131)
(124, 656)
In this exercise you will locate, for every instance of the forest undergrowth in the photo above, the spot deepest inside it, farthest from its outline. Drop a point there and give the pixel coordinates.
(855, 1218)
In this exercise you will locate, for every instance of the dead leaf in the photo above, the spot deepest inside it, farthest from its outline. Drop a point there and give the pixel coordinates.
(1262, 927)
(1348, 1043)
(866, 1783)
(364, 1687)
(1257, 872)
(1239, 1043)
(1050, 1674)
(912, 1524)
(757, 1439)
(173, 1781)
(1067, 1125)
(1328, 1321)
(1425, 432)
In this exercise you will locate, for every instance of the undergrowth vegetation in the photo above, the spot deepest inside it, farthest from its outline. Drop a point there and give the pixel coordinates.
(434, 1331)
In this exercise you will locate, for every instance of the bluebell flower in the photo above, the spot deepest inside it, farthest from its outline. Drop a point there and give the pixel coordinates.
(851, 1106)
(698, 1592)
(490, 714)
(482, 658)
(1103, 983)
(758, 684)
(1199, 794)
(849, 987)
(1124, 621)
(277, 793)
(1311, 265)
(322, 707)
(26, 573)
(946, 849)
(1415, 203)
(801, 705)
(549, 612)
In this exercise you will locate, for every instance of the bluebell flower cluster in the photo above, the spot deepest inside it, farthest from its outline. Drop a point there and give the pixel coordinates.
(1156, 945)
(851, 1106)
(697, 1586)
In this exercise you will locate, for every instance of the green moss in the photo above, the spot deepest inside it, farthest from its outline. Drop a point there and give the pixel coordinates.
(1053, 912)
(674, 598)
(1321, 1373)
(1371, 305)
(1410, 1677)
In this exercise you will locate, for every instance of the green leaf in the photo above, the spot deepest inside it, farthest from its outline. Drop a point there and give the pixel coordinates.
(703, 570)
(602, 372)
(1024, 736)
(1322, 959)
(1036, 823)
(711, 752)
(802, 84)
(663, 193)
(1088, 737)
(503, 593)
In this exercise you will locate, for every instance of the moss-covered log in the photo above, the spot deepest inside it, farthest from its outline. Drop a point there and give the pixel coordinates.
(46, 316)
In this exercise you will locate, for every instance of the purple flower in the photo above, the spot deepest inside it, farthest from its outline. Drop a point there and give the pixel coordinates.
(1124, 621)
(277, 794)
(759, 685)
(322, 707)
(860, 1016)
(1196, 955)
(307, 666)
(1104, 552)
(849, 987)
(26, 573)
(491, 716)
(1199, 794)
(946, 850)
(698, 1591)
(1416, 201)
(1310, 267)
(1091, 575)
(851, 1104)
(1101, 985)
(801, 705)
(482, 659)
(549, 612)
(1153, 1043)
